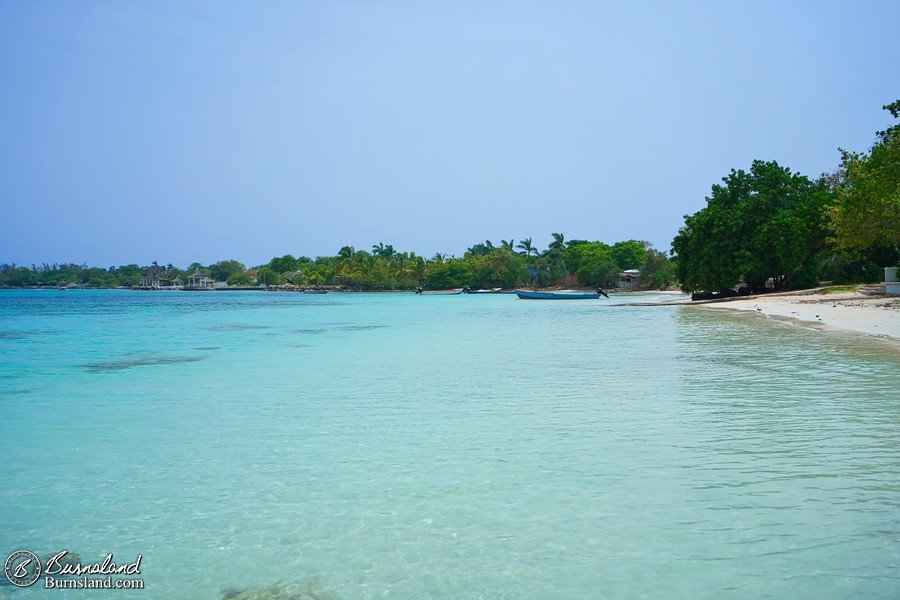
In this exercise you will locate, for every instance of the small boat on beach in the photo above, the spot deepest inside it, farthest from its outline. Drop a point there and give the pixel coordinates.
(488, 291)
(452, 292)
(560, 295)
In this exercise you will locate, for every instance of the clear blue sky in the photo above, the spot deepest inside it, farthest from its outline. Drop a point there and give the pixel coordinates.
(190, 131)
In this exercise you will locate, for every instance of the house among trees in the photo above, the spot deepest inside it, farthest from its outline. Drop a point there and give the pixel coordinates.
(628, 280)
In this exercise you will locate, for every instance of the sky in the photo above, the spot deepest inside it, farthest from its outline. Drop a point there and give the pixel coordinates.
(197, 131)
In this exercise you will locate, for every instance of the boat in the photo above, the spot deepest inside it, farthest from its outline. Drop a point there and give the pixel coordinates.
(452, 292)
(489, 291)
(560, 295)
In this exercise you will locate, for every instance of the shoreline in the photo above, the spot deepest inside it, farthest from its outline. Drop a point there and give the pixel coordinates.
(875, 315)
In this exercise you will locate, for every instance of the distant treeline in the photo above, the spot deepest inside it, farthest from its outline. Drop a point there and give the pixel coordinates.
(483, 265)
(765, 227)
(771, 226)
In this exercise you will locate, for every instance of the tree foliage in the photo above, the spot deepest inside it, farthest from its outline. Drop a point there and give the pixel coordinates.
(224, 269)
(484, 265)
(453, 273)
(866, 214)
(762, 224)
(630, 254)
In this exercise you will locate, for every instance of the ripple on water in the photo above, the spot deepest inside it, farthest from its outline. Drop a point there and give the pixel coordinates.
(235, 327)
(144, 361)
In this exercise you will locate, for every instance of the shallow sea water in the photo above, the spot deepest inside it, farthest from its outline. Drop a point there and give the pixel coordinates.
(392, 446)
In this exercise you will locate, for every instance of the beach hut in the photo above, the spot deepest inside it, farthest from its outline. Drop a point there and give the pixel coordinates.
(628, 280)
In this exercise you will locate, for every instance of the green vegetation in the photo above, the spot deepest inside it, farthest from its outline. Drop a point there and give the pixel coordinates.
(763, 227)
(765, 224)
(866, 215)
(772, 227)
(483, 265)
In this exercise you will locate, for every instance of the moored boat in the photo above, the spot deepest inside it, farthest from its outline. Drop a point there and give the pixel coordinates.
(488, 291)
(560, 295)
(452, 292)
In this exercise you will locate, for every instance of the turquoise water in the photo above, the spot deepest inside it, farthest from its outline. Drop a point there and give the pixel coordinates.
(393, 446)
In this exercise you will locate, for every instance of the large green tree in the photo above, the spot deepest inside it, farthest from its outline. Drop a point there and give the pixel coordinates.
(866, 215)
(452, 273)
(630, 254)
(284, 264)
(762, 224)
(498, 268)
(224, 269)
(595, 264)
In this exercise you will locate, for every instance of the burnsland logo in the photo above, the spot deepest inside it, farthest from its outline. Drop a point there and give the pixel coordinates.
(23, 568)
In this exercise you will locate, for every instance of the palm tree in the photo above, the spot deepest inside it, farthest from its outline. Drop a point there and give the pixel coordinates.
(419, 268)
(345, 269)
(307, 271)
(384, 251)
(399, 264)
(324, 272)
(558, 241)
(507, 244)
(527, 247)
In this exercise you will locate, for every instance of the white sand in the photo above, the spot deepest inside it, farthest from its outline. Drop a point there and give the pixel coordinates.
(874, 315)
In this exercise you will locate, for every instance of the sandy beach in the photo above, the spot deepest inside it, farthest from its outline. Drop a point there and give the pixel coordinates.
(849, 311)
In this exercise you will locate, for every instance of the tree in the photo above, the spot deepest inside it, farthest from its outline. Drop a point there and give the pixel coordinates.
(764, 224)
(866, 214)
(21, 277)
(595, 264)
(499, 268)
(576, 251)
(238, 279)
(526, 247)
(419, 268)
(549, 268)
(268, 277)
(285, 264)
(224, 269)
(479, 249)
(451, 273)
(630, 254)
(384, 251)
(657, 269)
(558, 243)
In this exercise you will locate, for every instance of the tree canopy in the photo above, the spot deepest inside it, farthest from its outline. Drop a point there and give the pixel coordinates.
(866, 214)
(484, 265)
(764, 224)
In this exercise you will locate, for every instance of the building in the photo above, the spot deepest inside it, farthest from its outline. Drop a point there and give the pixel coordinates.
(198, 281)
(628, 280)
(152, 277)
